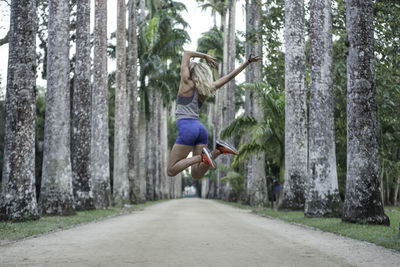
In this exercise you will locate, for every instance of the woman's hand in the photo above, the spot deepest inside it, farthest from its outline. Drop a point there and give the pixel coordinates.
(211, 61)
(253, 58)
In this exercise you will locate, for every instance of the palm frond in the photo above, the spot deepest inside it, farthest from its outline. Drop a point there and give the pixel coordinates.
(239, 126)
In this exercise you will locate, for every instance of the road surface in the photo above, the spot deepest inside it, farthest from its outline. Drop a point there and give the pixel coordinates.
(193, 232)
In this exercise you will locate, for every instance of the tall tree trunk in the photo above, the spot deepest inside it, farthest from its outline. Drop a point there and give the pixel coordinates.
(142, 122)
(156, 145)
(363, 201)
(322, 197)
(56, 196)
(219, 99)
(142, 156)
(295, 107)
(165, 180)
(80, 143)
(150, 151)
(99, 154)
(138, 195)
(228, 91)
(176, 180)
(256, 183)
(249, 77)
(18, 195)
(121, 132)
(396, 189)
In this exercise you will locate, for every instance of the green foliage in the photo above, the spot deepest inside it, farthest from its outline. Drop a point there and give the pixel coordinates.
(387, 52)
(236, 181)
(160, 45)
(266, 135)
(211, 42)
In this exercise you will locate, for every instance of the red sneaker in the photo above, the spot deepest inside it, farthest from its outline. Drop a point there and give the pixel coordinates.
(226, 148)
(207, 158)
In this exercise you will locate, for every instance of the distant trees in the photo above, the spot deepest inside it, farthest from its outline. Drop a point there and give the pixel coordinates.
(18, 193)
(363, 201)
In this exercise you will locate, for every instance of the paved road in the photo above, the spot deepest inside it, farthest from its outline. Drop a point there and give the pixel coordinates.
(193, 232)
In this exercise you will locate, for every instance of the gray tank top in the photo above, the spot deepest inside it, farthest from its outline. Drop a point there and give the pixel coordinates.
(188, 107)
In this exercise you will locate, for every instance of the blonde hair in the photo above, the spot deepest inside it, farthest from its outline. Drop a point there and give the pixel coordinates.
(202, 77)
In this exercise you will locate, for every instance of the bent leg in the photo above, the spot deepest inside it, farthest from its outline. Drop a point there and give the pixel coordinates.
(198, 170)
(177, 160)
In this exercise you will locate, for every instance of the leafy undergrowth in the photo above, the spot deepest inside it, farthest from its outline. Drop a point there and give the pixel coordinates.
(10, 231)
(388, 237)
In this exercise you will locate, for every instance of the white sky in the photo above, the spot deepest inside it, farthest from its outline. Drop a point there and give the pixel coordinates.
(199, 21)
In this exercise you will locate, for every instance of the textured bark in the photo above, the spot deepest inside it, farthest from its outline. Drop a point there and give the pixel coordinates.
(249, 77)
(150, 152)
(363, 201)
(56, 196)
(80, 142)
(176, 181)
(142, 6)
(135, 179)
(295, 108)
(121, 132)
(228, 91)
(322, 197)
(219, 99)
(99, 154)
(165, 180)
(396, 189)
(142, 156)
(255, 179)
(157, 147)
(18, 195)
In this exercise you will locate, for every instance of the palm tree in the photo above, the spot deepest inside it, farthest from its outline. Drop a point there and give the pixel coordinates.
(56, 196)
(295, 108)
(265, 135)
(363, 201)
(121, 179)
(322, 197)
(18, 195)
(137, 172)
(99, 154)
(160, 54)
(255, 180)
(80, 142)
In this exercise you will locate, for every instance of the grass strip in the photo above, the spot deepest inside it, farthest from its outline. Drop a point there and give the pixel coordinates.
(385, 236)
(10, 231)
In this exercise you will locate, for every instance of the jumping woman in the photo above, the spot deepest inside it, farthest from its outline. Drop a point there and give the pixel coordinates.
(195, 86)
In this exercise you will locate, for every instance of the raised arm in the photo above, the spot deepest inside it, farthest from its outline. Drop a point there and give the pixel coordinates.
(223, 80)
(185, 73)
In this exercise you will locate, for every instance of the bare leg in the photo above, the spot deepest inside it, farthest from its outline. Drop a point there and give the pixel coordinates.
(177, 160)
(198, 170)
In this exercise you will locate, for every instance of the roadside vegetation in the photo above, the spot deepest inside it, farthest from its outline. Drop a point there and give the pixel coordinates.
(388, 237)
(11, 231)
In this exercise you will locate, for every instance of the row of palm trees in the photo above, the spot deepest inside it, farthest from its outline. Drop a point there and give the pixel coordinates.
(307, 158)
(307, 154)
(76, 155)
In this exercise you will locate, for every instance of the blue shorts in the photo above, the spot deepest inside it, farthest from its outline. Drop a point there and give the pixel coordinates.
(191, 132)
